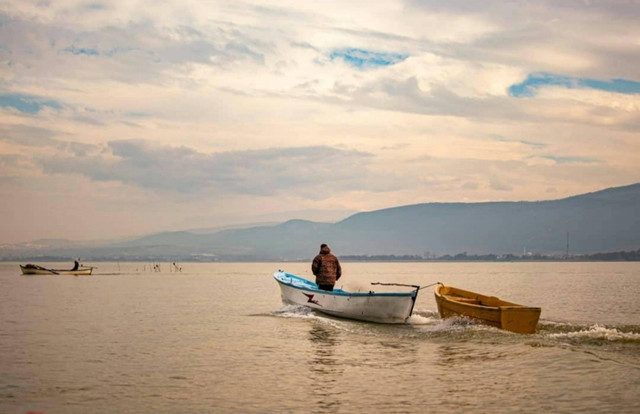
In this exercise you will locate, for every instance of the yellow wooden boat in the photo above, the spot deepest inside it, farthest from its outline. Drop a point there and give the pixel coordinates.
(488, 310)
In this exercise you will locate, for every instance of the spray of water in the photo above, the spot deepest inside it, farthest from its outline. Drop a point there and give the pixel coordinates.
(600, 333)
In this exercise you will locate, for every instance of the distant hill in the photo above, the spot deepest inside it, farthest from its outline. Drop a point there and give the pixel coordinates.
(602, 221)
(608, 220)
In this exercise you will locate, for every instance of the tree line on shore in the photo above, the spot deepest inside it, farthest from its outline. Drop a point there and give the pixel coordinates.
(620, 256)
(623, 256)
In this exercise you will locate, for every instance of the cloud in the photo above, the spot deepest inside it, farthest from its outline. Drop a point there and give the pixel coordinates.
(27, 135)
(530, 86)
(134, 51)
(591, 39)
(500, 184)
(311, 105)
(42, 138)
(308, 171)
(8, 161)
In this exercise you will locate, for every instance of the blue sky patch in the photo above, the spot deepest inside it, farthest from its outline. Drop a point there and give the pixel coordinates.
(501, 138)
(28, 104)
(95, 6)
(535, 81)
(571, 160)
(360, 58)
(82, 51)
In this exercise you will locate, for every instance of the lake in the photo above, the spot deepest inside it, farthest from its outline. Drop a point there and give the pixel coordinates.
(215, 338)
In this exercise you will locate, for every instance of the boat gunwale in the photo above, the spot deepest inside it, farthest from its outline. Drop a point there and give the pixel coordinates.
(29, 271)
(309, 287)
(505, 305)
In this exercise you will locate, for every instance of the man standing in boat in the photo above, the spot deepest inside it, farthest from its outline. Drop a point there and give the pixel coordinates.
(326, 268)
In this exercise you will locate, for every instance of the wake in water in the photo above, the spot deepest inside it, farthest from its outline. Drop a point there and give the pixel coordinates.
(429, 322)
(592, 333)
(296, 311)
(425, 321)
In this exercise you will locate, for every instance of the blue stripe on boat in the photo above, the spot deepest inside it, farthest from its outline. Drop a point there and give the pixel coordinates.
(304, 284)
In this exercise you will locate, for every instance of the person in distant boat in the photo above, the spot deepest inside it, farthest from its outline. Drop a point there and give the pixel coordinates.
(76, 265)
(326, 268)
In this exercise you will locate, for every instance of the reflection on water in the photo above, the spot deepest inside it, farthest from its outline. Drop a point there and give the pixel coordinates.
(451, 356)
(396, 352)
(325, 367)
(459, 355)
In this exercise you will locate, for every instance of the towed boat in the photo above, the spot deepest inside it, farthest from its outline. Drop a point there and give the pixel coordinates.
(31, 269)
(381, 307)
(488, 310)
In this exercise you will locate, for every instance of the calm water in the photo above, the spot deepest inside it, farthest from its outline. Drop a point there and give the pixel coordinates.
(215, 338)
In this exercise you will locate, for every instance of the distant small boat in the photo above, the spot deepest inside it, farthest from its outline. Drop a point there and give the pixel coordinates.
(31, 269)
(382, 307)
(488, 310)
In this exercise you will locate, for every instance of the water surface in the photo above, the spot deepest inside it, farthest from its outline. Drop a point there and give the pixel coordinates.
(216, 338)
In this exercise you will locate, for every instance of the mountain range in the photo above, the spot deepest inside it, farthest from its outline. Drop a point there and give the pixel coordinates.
(602, 221)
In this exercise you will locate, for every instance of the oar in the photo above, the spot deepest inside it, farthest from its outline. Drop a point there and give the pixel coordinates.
(395, 284)
(44, 268)
(433, 284)
(402, 284)
(49, 270)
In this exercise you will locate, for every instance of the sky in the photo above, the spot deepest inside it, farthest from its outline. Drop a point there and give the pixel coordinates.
(121, 118)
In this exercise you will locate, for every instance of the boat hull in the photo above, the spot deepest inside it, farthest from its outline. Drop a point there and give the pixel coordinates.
(386, 307)
(489, 310)
(42, 271)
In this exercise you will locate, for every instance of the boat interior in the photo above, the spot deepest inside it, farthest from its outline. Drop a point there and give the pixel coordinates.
(471, 301)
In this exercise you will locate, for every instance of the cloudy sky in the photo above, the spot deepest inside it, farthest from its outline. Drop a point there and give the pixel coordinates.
(124, 117)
